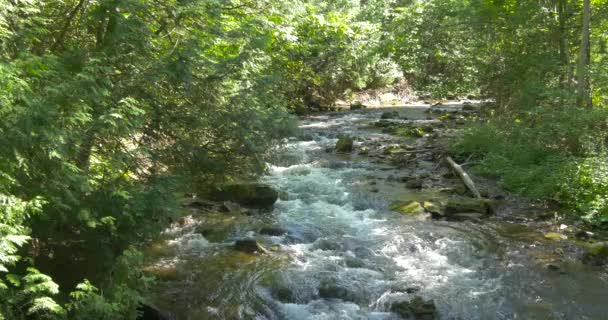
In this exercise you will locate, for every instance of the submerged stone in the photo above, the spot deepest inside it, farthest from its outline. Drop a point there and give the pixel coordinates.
(352, 262)
(471, 216)
(229, 206)
(389, 115)
(417, 308)
(331, 291)
(344, 145)
(163, 272)
(273, 231)
(284, 294)
(327, 245)
(415, 183)
(363, 252)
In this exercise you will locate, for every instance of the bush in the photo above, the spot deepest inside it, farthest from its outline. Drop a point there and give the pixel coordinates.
(586, 190)
(549, 153)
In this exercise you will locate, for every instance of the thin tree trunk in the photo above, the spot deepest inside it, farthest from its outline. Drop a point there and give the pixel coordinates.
(584, 58)
(564, 50)
(61, 38)
(463, 176)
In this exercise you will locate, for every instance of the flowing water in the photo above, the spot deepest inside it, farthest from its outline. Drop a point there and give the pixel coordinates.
(347, 256)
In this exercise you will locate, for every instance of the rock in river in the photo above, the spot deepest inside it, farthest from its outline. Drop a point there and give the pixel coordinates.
(416, 308)
(252, 195)
(273, 231)
(389, 115)
(249, 246)
(415, 183)
(411, 208)
(465, 205)
(597, 254)
(555, 236)
(344, 145)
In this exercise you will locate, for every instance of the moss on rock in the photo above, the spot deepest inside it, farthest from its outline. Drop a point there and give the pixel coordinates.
(410, 208)
(344, 145)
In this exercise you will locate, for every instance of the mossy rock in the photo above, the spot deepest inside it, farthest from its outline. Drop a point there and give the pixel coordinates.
(409, 208)
(554, 236)
(469, 216)
(252, 195)
(465, 205)
(597, 254)
(391, 150)
(431, 207)
(344, 145)
(417, 308)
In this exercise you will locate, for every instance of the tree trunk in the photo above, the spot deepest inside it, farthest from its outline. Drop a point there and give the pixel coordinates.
(463, 176)
(61, 38)
(564, 49)
(584, 58)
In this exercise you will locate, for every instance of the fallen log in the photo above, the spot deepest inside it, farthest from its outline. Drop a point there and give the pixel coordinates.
(463, 176)
(415, 151)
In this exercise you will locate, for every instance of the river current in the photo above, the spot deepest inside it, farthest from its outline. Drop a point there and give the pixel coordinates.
(347, 256)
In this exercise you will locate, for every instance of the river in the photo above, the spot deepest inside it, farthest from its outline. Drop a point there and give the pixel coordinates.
(347, 256)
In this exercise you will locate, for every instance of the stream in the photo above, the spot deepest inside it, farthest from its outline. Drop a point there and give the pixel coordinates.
(339, 252)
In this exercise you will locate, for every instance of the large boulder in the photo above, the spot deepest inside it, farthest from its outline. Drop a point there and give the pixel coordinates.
(344, 145)
(251, 195)
(416, 308)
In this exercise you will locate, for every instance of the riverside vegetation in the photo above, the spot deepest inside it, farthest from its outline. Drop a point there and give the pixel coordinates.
(113, 112)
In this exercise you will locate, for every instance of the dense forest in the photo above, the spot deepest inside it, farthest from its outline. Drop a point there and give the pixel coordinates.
(112, 110)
